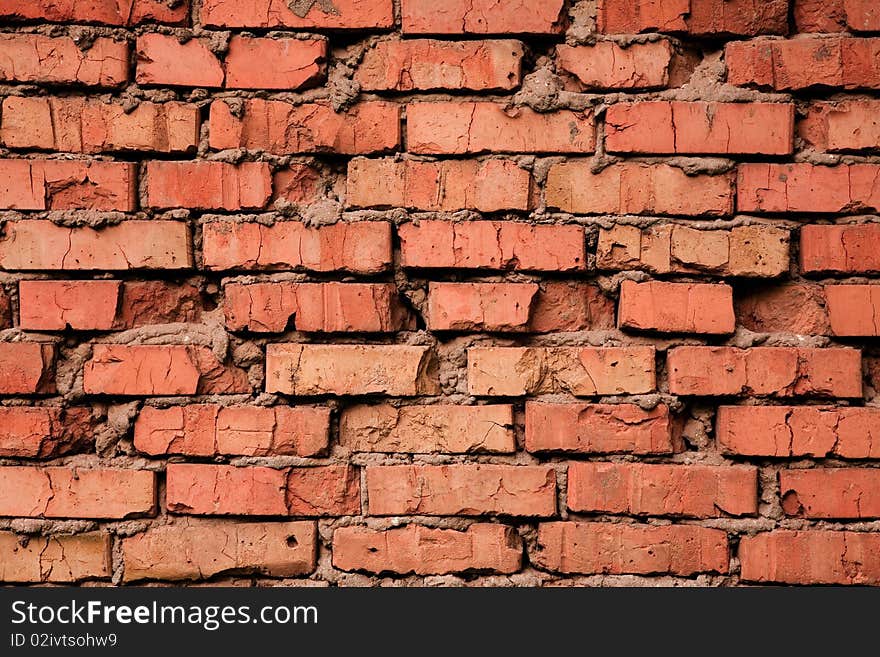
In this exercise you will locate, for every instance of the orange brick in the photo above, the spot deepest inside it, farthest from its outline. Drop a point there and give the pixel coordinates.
(67, 185)
(482, 17)
(808, 188)
(587, 371)
(44, 431)
(162, 60)
(61, 559)
(104, 12)
(831, 492)
(480, 306)
(341, 15)
(274, 63)
(854, 310)
(208, 185)
(676, 307)
(27, 368)
(699, 491)
(81, 305)
(850, 125)
(791, 308)
(697, 17)
(606, 65)
(842, 249)
(41, 59)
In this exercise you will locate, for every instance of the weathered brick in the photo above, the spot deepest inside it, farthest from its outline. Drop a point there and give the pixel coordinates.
(35, 245)
(849, 125)
(428, 64)
(462, 490)
(753, 251)
(208, 185)
(862, 15)
(854, 310)
(162, 370)
(442, 428)
(790, 308)
(79, 125)
(61, 559)
(808, 188)
(600, 429)
(198, 549)
(819, 15)
(697, 17)
(103, 12)
(202, 489)
(586, 371)
(571, 306)
(606, 65)
(700, 128)
(443, 186)
(480, 306)
(320, 307)
(67, 185)
(279, 127)
(274, 63)
(27, 368)
(699, 491)
(306, 14)
(316, 369)
(794, 64)
(207, 429)
(786, 431)
(43, 431)
(637, 188)
(426, 551)
(676, 307)
(831, 492)
(811, 557)
(482, 17)
(492, 245)
(64, 492)
(162, 60)
(81, 305)
(842, 249)
(615, 549)
(459, 128)
(361, 247)
(42, 59)
(760, 371)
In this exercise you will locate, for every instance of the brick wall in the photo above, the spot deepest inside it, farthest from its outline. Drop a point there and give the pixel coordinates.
(508, 292)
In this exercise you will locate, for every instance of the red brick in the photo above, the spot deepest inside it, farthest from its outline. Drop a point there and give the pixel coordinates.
(777, 371)
(831, 492)
(480, 306)
(27, 368)
(843, 249)
(606, 65)
(462, 490)
(698, 17)
(67, 185)
(571, 306)
(445, 186)
(306, 14)
(759, 250)
(808, 188)
(61, 559)
(862, 15)
(202, 489)
(43, 431)
(207, 430)
(279, 127)
(65, 492)
(298, 184)
(426, 551)
(198, 549)
(458, 128)
(320, 307)
(492, 245)
(676, 307)
(104, 12)
(162, 370)
(78, 125)
(317, 369)
(790, 308)
(35, 245)
(579, 371)
(849, 125)
(158, 302)
(273, 63)
(5, 310)
(42, 59)
(854, 310)
(81, 305)
(616, 549)
(362, 247)
(813, 431)
(700, 491)
(163, 60)
(442, 428)
(428, 64)
(637, 188)
(599, 429)
(819, 15)
(208, 185)
(700, 128)
(811, 557)
(482, 17)
(841, 62)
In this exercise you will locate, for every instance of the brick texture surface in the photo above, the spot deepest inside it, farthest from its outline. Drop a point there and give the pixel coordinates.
(458, 292)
